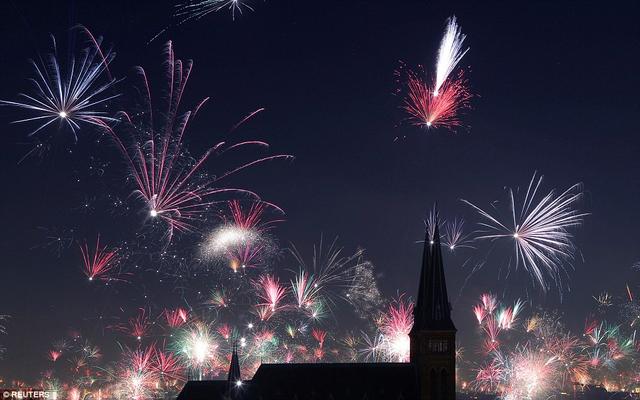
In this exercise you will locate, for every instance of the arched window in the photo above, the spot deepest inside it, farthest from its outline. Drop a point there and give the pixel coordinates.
(444, 384)
(433, 384)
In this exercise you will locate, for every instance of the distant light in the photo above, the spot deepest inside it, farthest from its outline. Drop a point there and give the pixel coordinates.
(153, 213)
(139, 338)
(515, 235)
(62, 114)
(238, 383)
(452, 246)
(91, 278)
(250, 326)
(431, 242)
(428, 123)
(435, 93)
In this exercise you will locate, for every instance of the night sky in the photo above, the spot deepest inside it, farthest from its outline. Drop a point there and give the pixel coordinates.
(556, 92)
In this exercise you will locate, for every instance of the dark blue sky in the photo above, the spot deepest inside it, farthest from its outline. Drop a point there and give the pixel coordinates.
(557, 92)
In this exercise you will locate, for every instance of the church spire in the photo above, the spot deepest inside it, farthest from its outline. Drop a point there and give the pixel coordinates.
(234, 368)
(432, 311)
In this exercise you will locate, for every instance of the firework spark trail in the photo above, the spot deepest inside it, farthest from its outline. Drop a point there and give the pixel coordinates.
(507, 316)
(177, 317)
(70, 97)
(199, 8)
(3, 331)
(99, 264)
(169, 182)
(539, 230)
(449, 54)
(304, 289)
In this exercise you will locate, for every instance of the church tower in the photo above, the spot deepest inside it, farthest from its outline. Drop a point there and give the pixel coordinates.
(433, 336)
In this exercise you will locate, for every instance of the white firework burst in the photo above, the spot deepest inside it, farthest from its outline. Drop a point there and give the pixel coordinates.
(70, 93)
(200, 8)
(539, 230)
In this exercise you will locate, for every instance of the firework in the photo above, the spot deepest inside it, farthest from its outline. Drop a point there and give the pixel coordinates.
(172, 185)
(71, 96)
(270, 292)
(539, 231)
(54, 355)
(176, 318)
(441, 103)
(199, 348)
(242, 240)
(396, 325)
(99, 264)
(137, 326)
(454, 237)
(199, 8)
(219, 298)
(449, 54)
(526, 374)
(507, 316)
(328, 269)
(137, 376)
(167, 366)
(603, 299)
(364, 294)
(304, 289)
(424, 109)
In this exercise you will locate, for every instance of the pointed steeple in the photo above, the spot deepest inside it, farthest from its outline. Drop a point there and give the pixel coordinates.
(234, 368)
(432, 311)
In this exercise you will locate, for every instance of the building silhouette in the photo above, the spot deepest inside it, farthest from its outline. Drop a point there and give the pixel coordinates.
(430, 374)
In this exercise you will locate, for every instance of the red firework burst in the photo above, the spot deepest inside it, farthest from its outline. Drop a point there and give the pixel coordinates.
(100, 263)
(425, 109)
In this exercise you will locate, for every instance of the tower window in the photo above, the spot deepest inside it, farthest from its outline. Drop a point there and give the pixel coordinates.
(438, 346)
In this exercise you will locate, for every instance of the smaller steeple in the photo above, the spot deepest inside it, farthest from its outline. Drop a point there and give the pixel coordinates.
(234, 368)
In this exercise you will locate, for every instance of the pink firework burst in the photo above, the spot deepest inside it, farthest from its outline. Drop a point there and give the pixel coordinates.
(172, 184)
(176, 318)
(168, 366)
(270, 291)
(480, 312)
(100, 263)
(425, 109)
(320, 336)
(396, 325)
(54, 355)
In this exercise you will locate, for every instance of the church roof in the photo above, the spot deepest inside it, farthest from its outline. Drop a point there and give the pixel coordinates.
(335, 381)
(432, 310)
